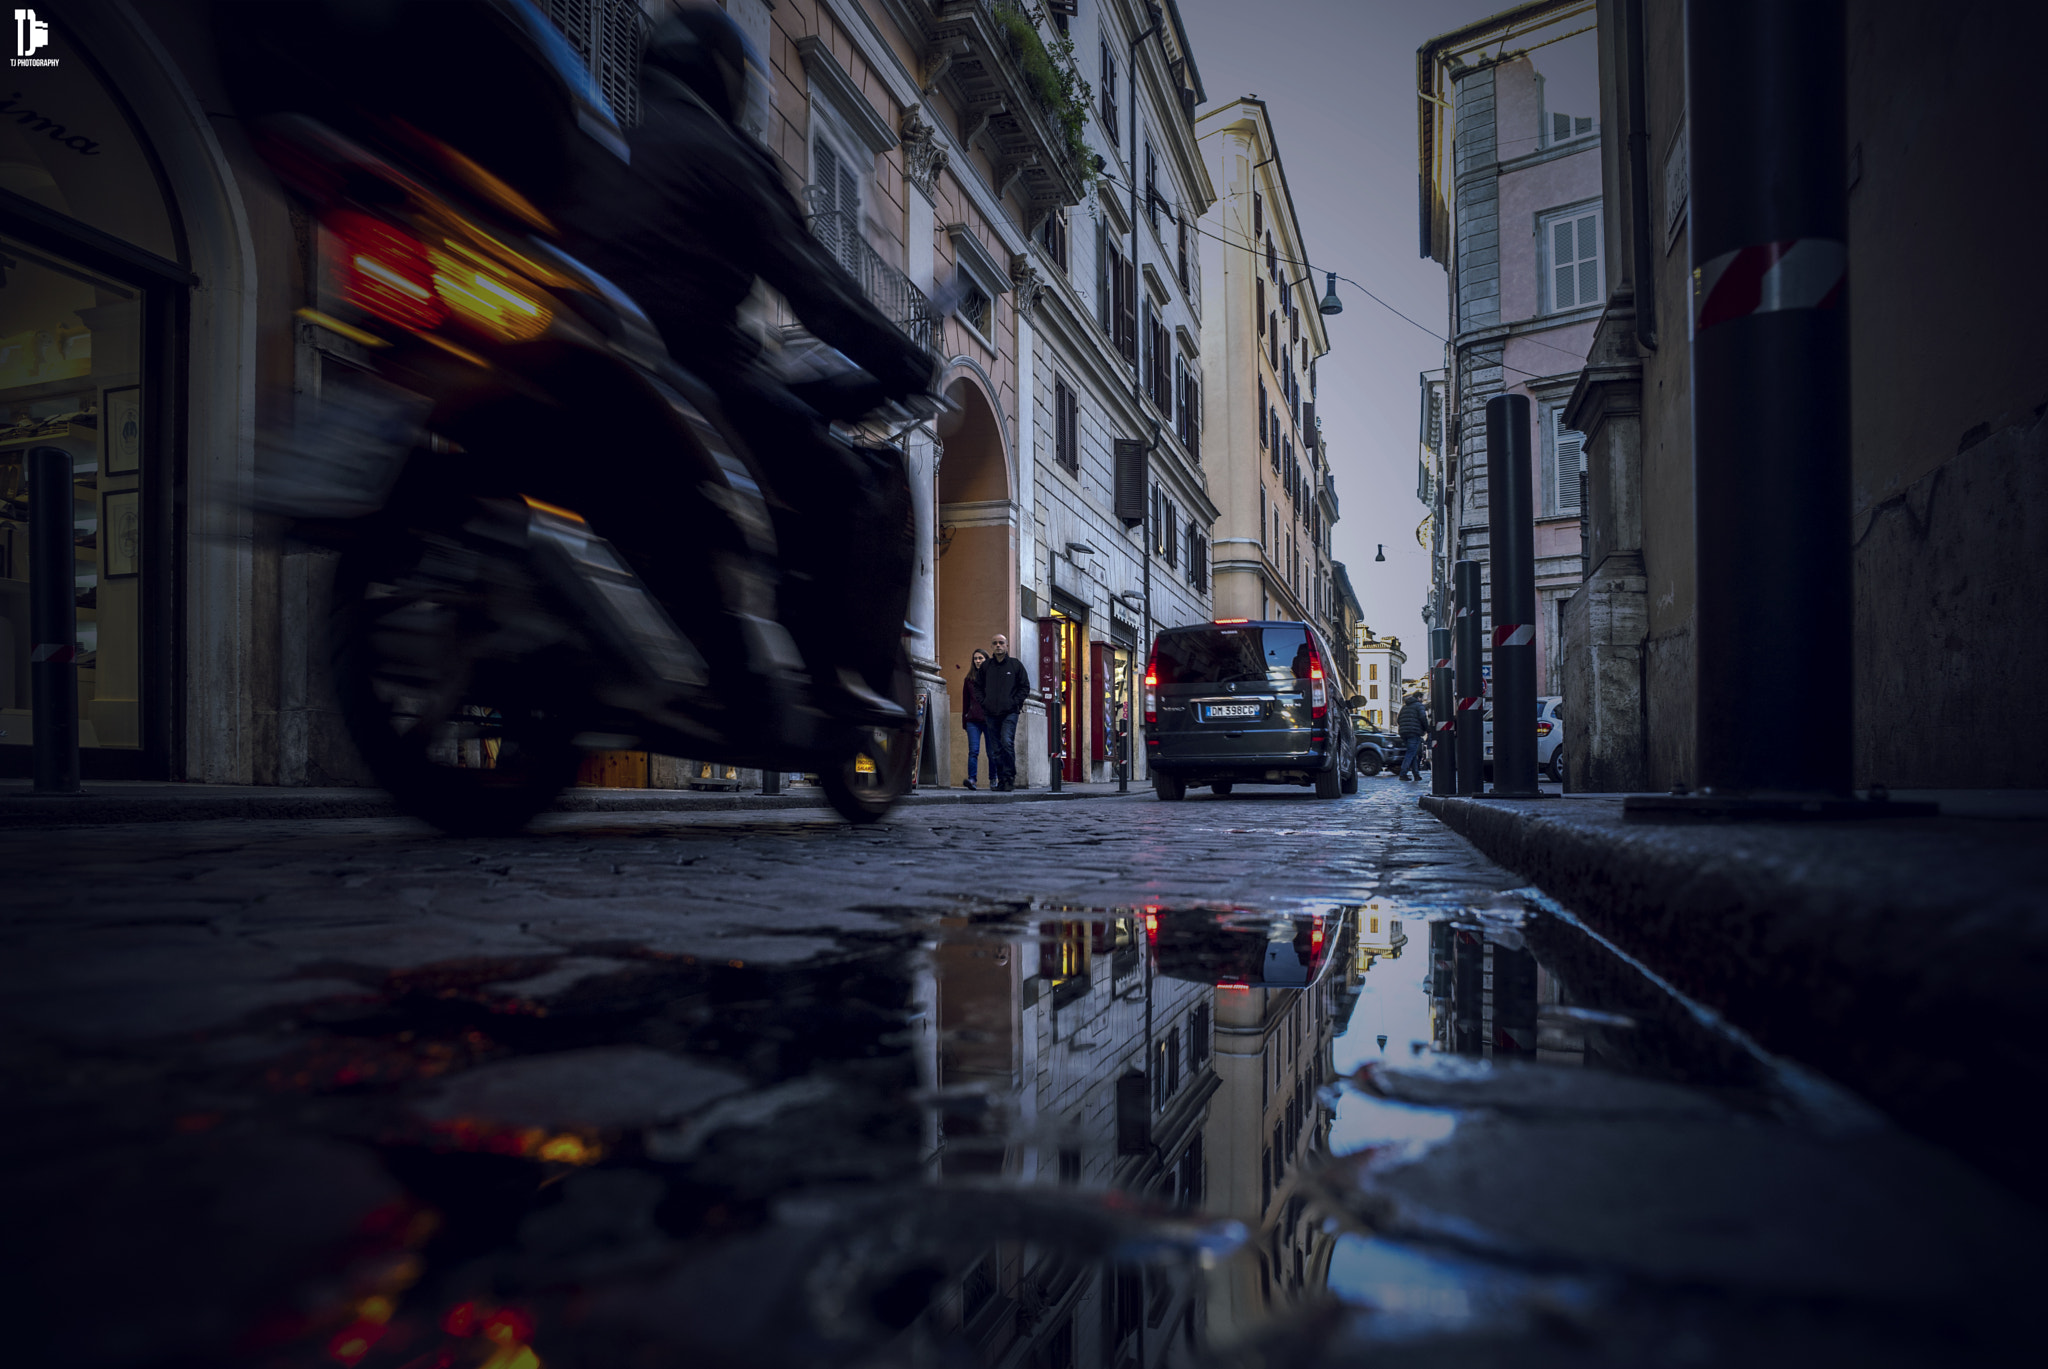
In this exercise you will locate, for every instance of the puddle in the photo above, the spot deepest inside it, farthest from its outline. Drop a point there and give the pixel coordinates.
(1060, 1137)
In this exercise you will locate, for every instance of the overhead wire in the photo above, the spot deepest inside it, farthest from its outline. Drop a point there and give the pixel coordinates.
(1255, 250)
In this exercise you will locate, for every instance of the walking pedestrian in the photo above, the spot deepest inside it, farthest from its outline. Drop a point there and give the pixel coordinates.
(1414, 727)
(974, 717)
(1005, 685)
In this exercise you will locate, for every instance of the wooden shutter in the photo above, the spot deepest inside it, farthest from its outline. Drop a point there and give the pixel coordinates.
(1133, 480)
(1564, 265)
(1568, 454)
(1102, 301)
(1127, 309)
(1589, 258)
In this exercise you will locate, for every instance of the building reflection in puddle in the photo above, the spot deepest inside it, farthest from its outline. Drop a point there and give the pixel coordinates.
(1179, 1057)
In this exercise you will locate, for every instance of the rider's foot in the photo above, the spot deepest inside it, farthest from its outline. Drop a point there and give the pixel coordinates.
(849, 700)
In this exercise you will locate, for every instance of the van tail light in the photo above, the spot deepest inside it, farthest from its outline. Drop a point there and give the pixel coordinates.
(385, 271)
(1318, 690)
(1152, 689)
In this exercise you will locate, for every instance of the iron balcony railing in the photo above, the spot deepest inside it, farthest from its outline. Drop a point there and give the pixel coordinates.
(886, 288)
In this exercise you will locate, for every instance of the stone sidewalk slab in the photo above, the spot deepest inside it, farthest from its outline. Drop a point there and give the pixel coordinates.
(1903, 957)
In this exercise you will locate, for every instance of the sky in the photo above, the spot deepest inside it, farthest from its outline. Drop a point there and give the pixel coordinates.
(1338, 78)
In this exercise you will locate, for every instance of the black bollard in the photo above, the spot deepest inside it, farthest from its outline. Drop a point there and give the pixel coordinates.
(1511, 552)
(1470, 681)
(1770, 396)
(1443, 776)
(53, 621)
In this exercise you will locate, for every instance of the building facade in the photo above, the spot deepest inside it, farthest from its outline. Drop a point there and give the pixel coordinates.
(1117, 359)
(1382, 666)
(1512, 208)
(1263, 333)
(1947, 442)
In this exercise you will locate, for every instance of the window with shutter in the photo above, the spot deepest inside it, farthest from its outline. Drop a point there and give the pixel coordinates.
(1563, 463)
(1065, 427)
(1152, 187)
(1052, 235)
(1258, 213)
(1127, 309)
(1262, 413)
(1109, 119)
(1570, 240)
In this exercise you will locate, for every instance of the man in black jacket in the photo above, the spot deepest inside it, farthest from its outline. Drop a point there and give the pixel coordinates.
(1005, 685)
(1414, 727)
(700, 214)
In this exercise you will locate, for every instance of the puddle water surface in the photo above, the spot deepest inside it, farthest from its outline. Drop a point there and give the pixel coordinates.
(1047, 1136)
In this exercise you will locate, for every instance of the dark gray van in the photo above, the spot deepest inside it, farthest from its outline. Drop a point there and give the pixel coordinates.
(1241, 702)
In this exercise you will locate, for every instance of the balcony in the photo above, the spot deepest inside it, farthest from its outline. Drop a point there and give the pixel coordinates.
(885, 287)
(976, 51)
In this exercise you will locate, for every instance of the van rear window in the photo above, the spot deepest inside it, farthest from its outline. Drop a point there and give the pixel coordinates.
(1226, 655)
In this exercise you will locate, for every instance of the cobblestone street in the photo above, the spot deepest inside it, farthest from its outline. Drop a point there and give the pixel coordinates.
(730, 1088)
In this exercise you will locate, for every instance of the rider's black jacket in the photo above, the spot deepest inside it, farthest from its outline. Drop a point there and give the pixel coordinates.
(701, 211)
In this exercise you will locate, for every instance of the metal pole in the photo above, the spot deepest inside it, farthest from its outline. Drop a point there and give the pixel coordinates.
(1471, 684)
(1442, 713)
(1511, 534)
(53, 621)
(1770, 396)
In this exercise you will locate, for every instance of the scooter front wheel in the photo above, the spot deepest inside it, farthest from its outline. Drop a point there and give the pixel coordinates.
(476, 744)
(881, 764)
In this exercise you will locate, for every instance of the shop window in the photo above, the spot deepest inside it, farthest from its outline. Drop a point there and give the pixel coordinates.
(71, 377)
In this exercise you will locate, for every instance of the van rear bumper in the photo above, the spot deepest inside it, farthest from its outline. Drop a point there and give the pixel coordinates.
(1273, 767)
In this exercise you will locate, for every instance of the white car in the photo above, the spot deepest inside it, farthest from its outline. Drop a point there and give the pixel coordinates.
(1549, 738)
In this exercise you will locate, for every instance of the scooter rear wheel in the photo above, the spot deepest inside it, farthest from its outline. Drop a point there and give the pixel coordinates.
(879, 768)
(475, 745)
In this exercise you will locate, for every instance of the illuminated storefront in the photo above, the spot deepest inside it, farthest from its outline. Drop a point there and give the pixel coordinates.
(91, 291)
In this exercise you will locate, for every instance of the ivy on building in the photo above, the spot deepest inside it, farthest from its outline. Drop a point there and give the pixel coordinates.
(1053, 76)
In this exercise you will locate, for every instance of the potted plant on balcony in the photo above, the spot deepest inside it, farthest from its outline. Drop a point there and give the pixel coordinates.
(1054, 79)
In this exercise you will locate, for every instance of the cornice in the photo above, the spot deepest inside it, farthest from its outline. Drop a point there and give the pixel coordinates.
(847, 98)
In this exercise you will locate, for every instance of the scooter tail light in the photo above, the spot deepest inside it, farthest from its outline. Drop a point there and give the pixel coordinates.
(384, 271)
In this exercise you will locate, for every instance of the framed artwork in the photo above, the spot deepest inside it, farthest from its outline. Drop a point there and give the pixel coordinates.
(121, 532)
(121, 430)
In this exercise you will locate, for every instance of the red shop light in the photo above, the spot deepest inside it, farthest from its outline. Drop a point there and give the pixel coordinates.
(384, 271)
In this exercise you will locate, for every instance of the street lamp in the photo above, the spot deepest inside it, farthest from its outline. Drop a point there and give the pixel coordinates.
(1330, 304)
(1383, 552)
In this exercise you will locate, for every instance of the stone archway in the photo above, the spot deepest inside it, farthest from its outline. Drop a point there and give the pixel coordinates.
(977, 543)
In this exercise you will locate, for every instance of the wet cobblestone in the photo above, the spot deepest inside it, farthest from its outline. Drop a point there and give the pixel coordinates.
(735, 1087)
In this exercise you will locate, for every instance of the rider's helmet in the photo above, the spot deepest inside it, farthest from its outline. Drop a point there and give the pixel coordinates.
(702, 49)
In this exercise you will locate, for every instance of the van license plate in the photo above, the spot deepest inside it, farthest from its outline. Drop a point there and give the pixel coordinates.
(1211, 712)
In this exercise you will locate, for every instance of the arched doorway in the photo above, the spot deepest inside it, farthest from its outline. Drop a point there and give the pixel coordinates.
(96, 281)
(977, 549)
